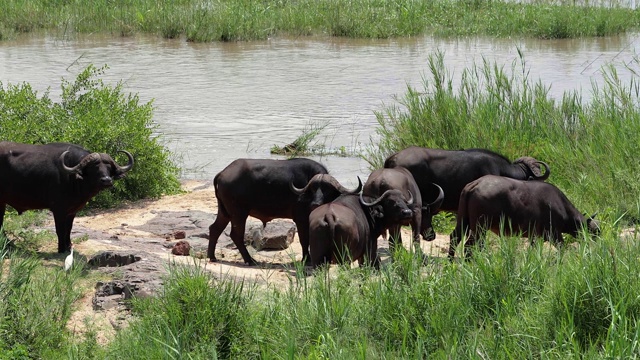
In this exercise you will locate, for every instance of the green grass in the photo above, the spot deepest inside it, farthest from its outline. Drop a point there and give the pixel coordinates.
(510, 301)
(230, 20)
(591, 147)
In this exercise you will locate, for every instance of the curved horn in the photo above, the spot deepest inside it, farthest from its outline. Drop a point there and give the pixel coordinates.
(353, 192)
(376, 201)
(74, 169)
(594, 215)
(129, 165)
(93, 157)
(547, 171)
(438, 201)
(298, 191)
(410, 201)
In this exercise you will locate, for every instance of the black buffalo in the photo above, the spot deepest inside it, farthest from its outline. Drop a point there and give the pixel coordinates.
(453, 169)
(60, 177)
(342, 231)
(399, 178)
(516, 207)
(268, 189)
(348, 228)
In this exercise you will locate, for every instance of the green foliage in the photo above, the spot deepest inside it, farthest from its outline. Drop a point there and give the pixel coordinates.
(100, 118)
(587, 145)
(232, 20)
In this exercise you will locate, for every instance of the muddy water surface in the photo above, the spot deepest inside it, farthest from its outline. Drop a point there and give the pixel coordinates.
(221, 101)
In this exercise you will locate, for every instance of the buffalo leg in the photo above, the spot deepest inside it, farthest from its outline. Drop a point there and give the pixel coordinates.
(215, 230)
(303, 235)
(395, 238)
(237, 235)
(63, 230)
(426, 226)
(3, 208)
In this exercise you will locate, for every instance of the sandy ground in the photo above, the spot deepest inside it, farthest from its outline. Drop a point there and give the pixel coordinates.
(147, 228)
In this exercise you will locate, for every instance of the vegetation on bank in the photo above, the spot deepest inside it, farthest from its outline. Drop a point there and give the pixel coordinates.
(101, 118)
(509, 301)
(591, 146)
(230, 20)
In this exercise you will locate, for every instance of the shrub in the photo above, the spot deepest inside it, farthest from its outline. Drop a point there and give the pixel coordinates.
(101, 118)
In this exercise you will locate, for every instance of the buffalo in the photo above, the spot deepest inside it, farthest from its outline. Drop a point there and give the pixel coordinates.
(348, 228)
(399, 178)
(342, 231)
(268, 189)
(512, 207)
(453, 169)
(60, 177)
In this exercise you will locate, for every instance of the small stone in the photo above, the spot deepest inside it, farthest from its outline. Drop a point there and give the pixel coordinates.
(179, 234)
(182, 248)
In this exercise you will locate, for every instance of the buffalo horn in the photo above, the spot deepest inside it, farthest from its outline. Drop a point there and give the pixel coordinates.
(83, 162)
(298, 191)
(129, 164)
(547, 171)
(410, 201)
(438, 201)
(376, 201)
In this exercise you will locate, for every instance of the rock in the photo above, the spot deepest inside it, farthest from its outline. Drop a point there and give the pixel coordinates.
(277, 235)
(181, 248)
(112, 294)
(179, 234)
(113, 259)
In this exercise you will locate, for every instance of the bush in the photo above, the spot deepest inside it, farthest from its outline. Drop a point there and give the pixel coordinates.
(100, 118)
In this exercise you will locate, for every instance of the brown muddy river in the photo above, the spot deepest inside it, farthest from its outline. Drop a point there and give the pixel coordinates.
(221, 101)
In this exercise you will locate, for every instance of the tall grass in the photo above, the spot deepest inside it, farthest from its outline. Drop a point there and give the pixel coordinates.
(230, 20)
(36, 302)
(509, 301)
(591, 146)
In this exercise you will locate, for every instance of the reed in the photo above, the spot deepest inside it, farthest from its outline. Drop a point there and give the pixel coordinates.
(589, 145)
(232, 20)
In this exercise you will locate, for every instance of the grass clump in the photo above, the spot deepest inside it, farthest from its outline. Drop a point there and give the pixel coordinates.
(101, 118)
(233, 20)
(509, 301)
(589, 146)
(35, 304)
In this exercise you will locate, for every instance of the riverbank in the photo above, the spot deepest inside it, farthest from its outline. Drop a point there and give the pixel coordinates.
(233, 20)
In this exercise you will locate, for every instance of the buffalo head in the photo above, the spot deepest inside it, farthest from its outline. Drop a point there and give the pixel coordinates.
(391, 205)
(321, 189)
(531, 168)
(98, 168)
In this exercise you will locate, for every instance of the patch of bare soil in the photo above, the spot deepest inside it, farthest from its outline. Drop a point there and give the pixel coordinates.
(147, 229)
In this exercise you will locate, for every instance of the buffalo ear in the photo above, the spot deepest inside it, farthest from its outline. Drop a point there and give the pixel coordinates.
(377, 212)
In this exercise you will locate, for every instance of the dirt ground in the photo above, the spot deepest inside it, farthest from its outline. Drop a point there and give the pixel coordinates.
(147, 229)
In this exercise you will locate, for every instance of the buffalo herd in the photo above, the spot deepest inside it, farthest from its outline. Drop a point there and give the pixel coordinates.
(335, 224)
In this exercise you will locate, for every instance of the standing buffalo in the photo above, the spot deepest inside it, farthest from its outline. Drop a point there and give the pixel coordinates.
(268, 189)
(529, 208)
(348, 228)
(399, 178)
(342, 231)
(59, 177)
(453, 169)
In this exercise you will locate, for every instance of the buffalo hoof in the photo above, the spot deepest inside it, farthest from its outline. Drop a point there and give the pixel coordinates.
(213, 259)
(430, 236)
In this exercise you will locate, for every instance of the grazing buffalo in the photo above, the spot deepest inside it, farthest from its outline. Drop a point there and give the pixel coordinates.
(347, 228)
(59, 177)
(401, 179)
(268, 189)
(453, 169)
(529, 208)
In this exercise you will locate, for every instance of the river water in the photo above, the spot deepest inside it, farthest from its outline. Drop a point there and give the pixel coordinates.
(217, 102)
